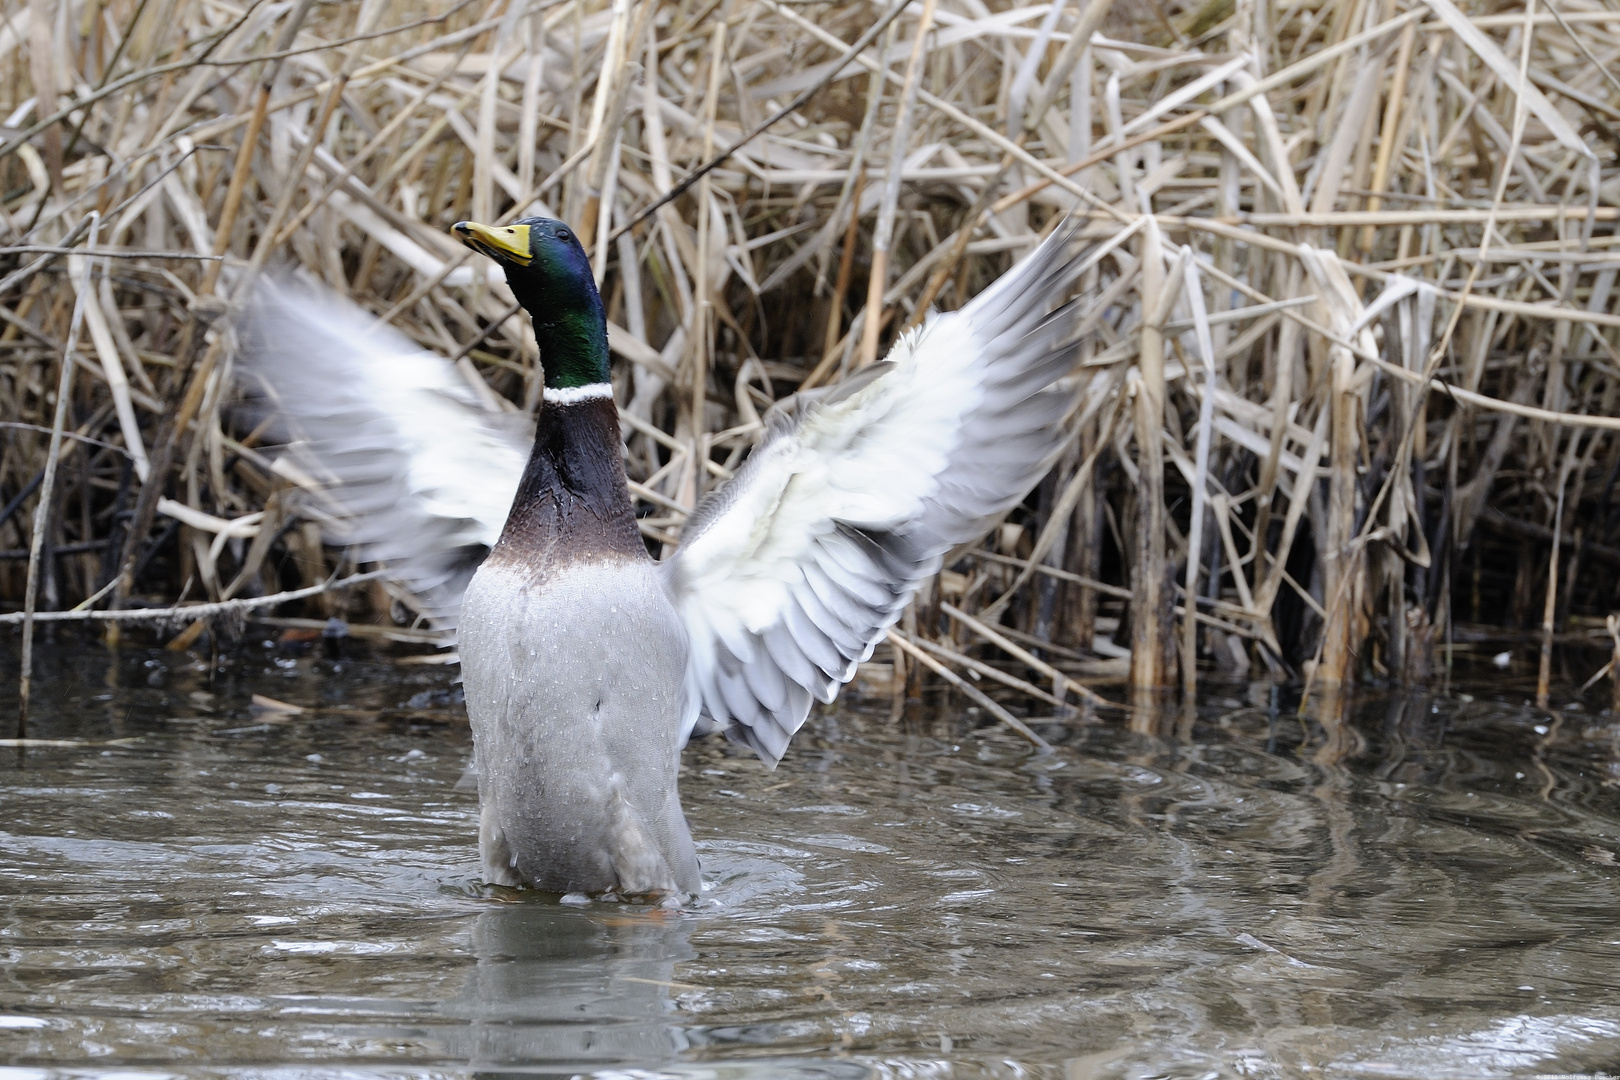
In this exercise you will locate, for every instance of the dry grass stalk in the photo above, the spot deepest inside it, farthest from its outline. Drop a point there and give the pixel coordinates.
(1362, 290)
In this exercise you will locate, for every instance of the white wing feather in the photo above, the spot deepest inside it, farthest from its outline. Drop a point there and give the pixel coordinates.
(788, 576)
(421, 475)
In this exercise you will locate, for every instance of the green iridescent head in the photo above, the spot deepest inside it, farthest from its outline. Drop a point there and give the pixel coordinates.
(550, 276)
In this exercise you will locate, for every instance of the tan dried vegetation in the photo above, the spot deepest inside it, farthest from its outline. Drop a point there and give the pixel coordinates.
(1352, 345)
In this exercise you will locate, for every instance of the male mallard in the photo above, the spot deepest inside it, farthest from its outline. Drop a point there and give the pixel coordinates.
(588, 665)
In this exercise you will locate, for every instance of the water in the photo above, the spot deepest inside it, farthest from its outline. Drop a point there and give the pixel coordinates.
(189, 887)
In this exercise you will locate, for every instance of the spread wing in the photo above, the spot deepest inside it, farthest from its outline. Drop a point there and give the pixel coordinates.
(789, 575)
(411, 467)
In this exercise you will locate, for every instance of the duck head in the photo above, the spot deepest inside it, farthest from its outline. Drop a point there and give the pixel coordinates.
(550, 276)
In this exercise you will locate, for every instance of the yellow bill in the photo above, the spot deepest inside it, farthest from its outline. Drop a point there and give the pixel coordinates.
(506, 243)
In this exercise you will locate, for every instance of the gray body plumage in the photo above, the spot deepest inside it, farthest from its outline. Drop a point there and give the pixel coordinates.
(578, 746)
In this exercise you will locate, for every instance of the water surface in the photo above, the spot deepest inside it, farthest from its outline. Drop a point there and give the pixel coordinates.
(191, 887)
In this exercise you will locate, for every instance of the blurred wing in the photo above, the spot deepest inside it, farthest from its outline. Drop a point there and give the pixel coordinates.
(788, 576)
(412, 468)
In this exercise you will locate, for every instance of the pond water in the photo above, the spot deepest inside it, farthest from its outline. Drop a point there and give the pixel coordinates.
(192, 887)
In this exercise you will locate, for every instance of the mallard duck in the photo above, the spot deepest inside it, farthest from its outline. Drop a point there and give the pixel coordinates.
(587, 664)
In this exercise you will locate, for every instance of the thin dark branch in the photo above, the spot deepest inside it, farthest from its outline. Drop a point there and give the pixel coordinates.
(791, 107)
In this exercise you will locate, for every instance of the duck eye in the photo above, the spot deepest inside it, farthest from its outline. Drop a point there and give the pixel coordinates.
(562, 234)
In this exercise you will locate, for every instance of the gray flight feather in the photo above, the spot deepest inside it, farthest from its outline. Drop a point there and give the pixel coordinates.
(788, 577)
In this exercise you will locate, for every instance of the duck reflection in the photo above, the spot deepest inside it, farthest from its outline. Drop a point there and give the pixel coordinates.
(558, 989)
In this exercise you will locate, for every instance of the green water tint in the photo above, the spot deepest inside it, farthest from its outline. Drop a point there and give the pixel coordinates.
(268, 895)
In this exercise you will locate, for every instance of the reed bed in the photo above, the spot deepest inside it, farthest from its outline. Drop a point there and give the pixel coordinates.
(1349, 373)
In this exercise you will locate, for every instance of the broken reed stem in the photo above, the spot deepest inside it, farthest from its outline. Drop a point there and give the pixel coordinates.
(196, 611)
(883, 233)
(1152, 642)
(977, 696)
(250, 144)
(1341, 580)
(47, 487)
(37, 249)
(1026, 688)
(1206, 420)
(846, 266)
(1549, 607)
(1386, 136)
(1059, 680)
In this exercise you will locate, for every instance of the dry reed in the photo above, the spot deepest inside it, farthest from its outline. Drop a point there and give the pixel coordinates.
(1350, 369)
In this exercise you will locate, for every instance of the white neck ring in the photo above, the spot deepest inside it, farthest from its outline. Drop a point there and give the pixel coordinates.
(573, 395)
